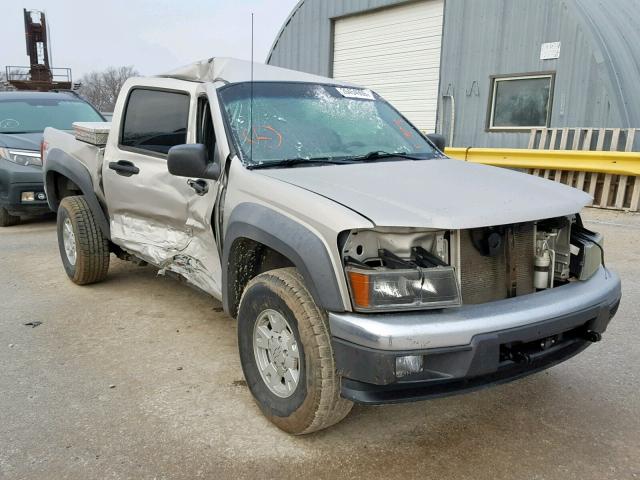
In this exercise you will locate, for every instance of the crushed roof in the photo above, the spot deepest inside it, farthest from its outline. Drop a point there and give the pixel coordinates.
(233, 70)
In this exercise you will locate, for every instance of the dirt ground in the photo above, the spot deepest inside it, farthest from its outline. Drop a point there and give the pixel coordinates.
(139, 377)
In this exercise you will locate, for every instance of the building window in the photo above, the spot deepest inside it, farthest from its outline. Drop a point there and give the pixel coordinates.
(520, 103)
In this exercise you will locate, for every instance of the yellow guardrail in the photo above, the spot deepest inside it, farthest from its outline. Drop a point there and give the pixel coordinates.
(617, 163)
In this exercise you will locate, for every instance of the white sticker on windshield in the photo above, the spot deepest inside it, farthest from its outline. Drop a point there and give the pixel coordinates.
(360, 93)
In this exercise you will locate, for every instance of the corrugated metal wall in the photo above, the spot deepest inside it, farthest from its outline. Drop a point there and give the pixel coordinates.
(596, 76)
(494, 37)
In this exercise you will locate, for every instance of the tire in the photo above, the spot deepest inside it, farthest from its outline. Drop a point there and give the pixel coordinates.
(6, 219)
(90, 263)
(315, 402)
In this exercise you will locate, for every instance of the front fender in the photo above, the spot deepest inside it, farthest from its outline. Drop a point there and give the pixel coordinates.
(289, 238)
(62, 163)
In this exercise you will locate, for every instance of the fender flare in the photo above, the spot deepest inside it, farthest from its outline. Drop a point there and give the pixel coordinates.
(289, 238)
(64, 164)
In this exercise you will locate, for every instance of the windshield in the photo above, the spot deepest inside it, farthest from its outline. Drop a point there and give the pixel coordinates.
(31, 115)
(304, 121)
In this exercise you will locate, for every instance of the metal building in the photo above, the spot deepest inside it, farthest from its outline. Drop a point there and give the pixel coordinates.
(482, 72)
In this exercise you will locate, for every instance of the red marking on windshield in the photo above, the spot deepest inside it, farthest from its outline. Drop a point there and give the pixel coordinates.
(277, 133)
(245, 136)
(263, 133)
(400, 124)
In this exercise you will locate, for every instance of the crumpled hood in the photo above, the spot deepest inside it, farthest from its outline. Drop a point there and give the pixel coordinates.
(21, 141)
(440, 193)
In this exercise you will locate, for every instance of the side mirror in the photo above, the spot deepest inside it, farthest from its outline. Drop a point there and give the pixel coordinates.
(438, 140)
(191, 160)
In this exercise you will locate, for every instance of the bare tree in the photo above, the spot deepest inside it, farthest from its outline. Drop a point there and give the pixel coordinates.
(102, 88)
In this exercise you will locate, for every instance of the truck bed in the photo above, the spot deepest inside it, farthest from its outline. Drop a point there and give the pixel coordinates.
(64, 142)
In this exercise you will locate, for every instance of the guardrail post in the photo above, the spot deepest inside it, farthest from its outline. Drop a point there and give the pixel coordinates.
(609, 190)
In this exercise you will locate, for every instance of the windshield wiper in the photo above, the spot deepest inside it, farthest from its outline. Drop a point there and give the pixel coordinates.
(369, 157)
(381, 155)
(294, 162)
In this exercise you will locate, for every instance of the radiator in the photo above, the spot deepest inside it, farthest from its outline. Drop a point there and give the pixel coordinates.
(484, 278)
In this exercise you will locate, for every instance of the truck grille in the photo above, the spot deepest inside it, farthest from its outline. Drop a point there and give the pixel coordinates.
(484, 278)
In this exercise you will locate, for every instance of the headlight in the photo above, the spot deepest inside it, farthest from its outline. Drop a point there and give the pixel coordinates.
(403, 289)
(21, 157)
(399, 269)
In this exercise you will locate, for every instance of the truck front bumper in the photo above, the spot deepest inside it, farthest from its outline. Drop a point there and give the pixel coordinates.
(470, 347)
(18, 179)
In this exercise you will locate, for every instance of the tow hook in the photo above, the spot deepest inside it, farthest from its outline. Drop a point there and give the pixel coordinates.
(526, 353)
(592, 336)
(519, 356)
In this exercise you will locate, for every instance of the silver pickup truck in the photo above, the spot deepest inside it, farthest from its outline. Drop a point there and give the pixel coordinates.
(361, 263)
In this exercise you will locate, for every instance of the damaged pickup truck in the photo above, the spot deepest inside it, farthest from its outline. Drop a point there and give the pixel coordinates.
(361, 263)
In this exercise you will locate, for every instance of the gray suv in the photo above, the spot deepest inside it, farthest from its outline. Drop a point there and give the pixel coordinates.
(23, 118)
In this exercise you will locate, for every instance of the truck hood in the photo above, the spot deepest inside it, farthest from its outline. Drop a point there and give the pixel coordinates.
(439, 193)
(21, 141)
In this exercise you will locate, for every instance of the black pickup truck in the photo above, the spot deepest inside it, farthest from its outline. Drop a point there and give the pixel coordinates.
(23, 118)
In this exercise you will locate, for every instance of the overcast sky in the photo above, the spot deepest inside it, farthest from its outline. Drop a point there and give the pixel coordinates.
(154, 36)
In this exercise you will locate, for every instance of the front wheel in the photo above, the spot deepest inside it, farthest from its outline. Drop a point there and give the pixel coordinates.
(83, 247)
(286, 354)
(6, 219)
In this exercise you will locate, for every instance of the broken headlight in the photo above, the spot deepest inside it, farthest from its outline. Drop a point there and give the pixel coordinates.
(392, 269)
(410, 289)
(21, 157)
(587, 252)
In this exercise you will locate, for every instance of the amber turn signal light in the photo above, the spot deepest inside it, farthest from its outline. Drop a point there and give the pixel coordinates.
(360, 289)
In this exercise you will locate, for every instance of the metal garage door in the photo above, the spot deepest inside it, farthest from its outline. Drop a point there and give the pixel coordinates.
(396, 52)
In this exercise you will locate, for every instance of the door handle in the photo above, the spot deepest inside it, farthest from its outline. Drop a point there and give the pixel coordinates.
(124, 168)
(200, 186)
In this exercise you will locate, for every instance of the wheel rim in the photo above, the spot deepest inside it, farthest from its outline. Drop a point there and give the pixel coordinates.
(277, 353)
(69, 240)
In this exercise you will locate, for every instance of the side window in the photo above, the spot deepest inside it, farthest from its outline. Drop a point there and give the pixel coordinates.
(155, 120)
(205, 133)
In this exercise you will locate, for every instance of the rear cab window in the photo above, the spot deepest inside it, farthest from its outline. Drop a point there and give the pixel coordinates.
(154, 120)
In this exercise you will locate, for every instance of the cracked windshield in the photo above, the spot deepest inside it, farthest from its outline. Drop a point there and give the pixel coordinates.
(299, 122)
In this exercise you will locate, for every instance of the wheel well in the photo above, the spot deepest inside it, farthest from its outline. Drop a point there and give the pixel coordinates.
(63, 187)
(247, 259)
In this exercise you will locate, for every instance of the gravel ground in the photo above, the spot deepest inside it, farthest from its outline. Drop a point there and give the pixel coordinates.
(139, 377)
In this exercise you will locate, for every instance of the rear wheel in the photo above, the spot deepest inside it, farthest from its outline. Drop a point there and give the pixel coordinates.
(6, 219)
(83, 248)
(286, 354)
